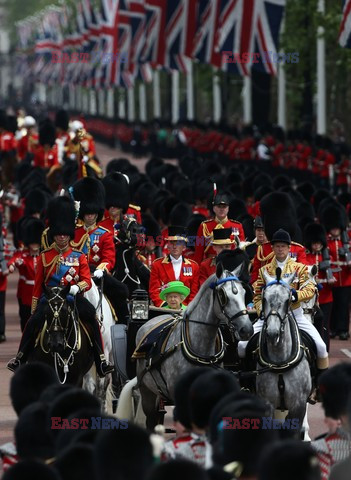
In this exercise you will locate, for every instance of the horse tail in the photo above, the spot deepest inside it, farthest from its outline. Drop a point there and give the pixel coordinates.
(125, 408)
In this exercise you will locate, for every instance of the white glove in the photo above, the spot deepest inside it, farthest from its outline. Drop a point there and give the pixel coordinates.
(74, 290)
(98, 273)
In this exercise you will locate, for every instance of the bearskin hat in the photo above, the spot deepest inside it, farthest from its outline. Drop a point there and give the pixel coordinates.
(61, 216)
(35, 202)
(3, 120)
(237, 208)
(314, 232)
(62, 119)
(180, 214)
(118, 165)
(90, 193)
(31, 470)
(305, 209)
(116, 190)
(47, 133)
(306, 189)
(278, 212)
(152, 228)
(32, 231)
(335, 389)
(333, 216)
(193, 223)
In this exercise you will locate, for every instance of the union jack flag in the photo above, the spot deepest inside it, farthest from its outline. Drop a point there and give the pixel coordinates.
(154, 50)
(207, 30)
(180, 33)
(345, 26)
(250, 29)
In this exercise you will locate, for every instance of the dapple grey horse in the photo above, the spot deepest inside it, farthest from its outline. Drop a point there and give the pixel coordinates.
(279, 343)
(220, 299)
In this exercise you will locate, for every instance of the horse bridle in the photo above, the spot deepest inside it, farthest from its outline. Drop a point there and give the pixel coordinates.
(222, 297)
(273, 311)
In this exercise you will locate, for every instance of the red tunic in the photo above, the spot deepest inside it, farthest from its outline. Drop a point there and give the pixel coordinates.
(162, 272)
(58, 269)
(325, 295)
(343, 277)
(207, 268)
(265, 254)
(27, 266)
(7, 142)
(203, 249)
(27, 144)
(98, 246)
(45, 158)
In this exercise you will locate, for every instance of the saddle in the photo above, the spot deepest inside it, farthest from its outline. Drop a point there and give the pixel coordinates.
(152, 345)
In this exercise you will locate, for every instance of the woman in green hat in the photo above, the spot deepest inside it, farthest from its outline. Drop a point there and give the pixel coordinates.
(173, 294)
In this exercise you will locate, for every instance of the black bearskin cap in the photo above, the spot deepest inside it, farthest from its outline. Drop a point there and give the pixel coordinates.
(116, 190)
(61, 216)
(335, 389)
(90, 193)
(314, 232)
(35, 202)
(47, 133)
(334, 216)
(180, 214)
(31, 470)
(32, 231)
(62, 119)
(152, 228)
(278, 212)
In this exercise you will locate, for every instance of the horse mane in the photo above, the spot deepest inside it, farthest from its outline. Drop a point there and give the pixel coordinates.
(198, 297)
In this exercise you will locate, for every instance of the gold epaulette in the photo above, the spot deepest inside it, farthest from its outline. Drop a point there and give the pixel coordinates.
(260, 256)
(135, 207)
(44, 239)
(298, 244)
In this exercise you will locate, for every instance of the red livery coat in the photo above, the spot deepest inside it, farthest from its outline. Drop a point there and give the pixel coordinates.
(325, 295)
(207, 268)
(98, 246)
(27, 266)
(162, 272)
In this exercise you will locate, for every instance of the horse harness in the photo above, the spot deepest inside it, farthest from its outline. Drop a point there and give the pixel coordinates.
(184, 343)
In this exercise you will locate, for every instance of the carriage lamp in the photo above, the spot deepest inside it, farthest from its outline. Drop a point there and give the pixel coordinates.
(140, 305)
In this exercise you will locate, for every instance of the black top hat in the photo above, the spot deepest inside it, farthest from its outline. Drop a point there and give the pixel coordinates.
(221, 199)
(177, 232)
(281, 236)
(258, 222)
(222, 236)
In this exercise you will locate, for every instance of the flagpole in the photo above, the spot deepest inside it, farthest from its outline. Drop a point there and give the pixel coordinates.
(282, 88)
(157, 94)
(247, 104)
(216, 89)
(131, 104)
(142, 102)
(321, 83)
(190, 90)
(175, 96)
(110, 102)
(121, 104)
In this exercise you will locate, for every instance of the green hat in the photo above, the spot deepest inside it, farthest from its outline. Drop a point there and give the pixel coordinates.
(174, 287)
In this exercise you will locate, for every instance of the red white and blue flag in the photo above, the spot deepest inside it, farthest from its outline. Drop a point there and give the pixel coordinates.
(345, 26)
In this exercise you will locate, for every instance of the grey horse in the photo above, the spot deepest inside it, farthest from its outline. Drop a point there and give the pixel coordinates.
(285, 388)
(220, 299)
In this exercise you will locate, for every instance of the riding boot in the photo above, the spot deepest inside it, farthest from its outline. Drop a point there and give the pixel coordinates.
(25, 347)
(102, 366)
(322, 366)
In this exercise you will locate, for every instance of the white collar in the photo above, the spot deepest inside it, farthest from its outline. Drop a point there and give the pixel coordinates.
(282, 264)
(176, 260)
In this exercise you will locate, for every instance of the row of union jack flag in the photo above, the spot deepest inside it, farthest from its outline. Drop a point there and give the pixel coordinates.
(83, 42)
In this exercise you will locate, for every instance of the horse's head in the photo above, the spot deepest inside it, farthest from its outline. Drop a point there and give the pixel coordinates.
(131, 232)
(229, 301)
(57, 314)
(276, 297)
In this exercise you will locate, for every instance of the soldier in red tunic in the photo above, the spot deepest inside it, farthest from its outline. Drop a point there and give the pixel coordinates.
(45, 154)
(223, 239)
(29, 138)
(97, 243)
(58, 266)
(334, 218)
(26, 262)
(203, 247)
(174, 267)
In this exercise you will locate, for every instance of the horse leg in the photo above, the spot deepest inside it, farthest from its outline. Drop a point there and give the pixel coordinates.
(149, 402)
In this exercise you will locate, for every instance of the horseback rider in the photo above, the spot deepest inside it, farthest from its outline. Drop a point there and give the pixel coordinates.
(96, 242)
(302, 289)
(60, 265)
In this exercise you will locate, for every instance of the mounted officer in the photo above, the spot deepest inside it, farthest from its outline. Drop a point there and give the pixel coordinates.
(60, 265)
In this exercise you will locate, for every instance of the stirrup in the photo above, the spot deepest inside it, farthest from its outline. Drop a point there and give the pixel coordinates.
(104, 368)
(315, 397)
(14, 363)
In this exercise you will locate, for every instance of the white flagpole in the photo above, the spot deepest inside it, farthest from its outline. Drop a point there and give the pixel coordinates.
(110, 102)
(131, 104)
(157, 94)
(142, 102)
(216, 89)
(321, 83)
(281, 90)
(175, 96)
(190, 91)
(247, 103)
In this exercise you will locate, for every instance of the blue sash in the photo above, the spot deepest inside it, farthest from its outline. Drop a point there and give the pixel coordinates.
(94, 238)
(55, 279)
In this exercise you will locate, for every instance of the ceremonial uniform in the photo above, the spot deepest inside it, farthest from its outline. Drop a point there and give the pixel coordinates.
(27, 144)
(305, 289)
(162, 272)
(97, 244)
(189, 446)
(45, 157)
(207, 268)
(203, 248)
(331, 450)
(114, 226)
